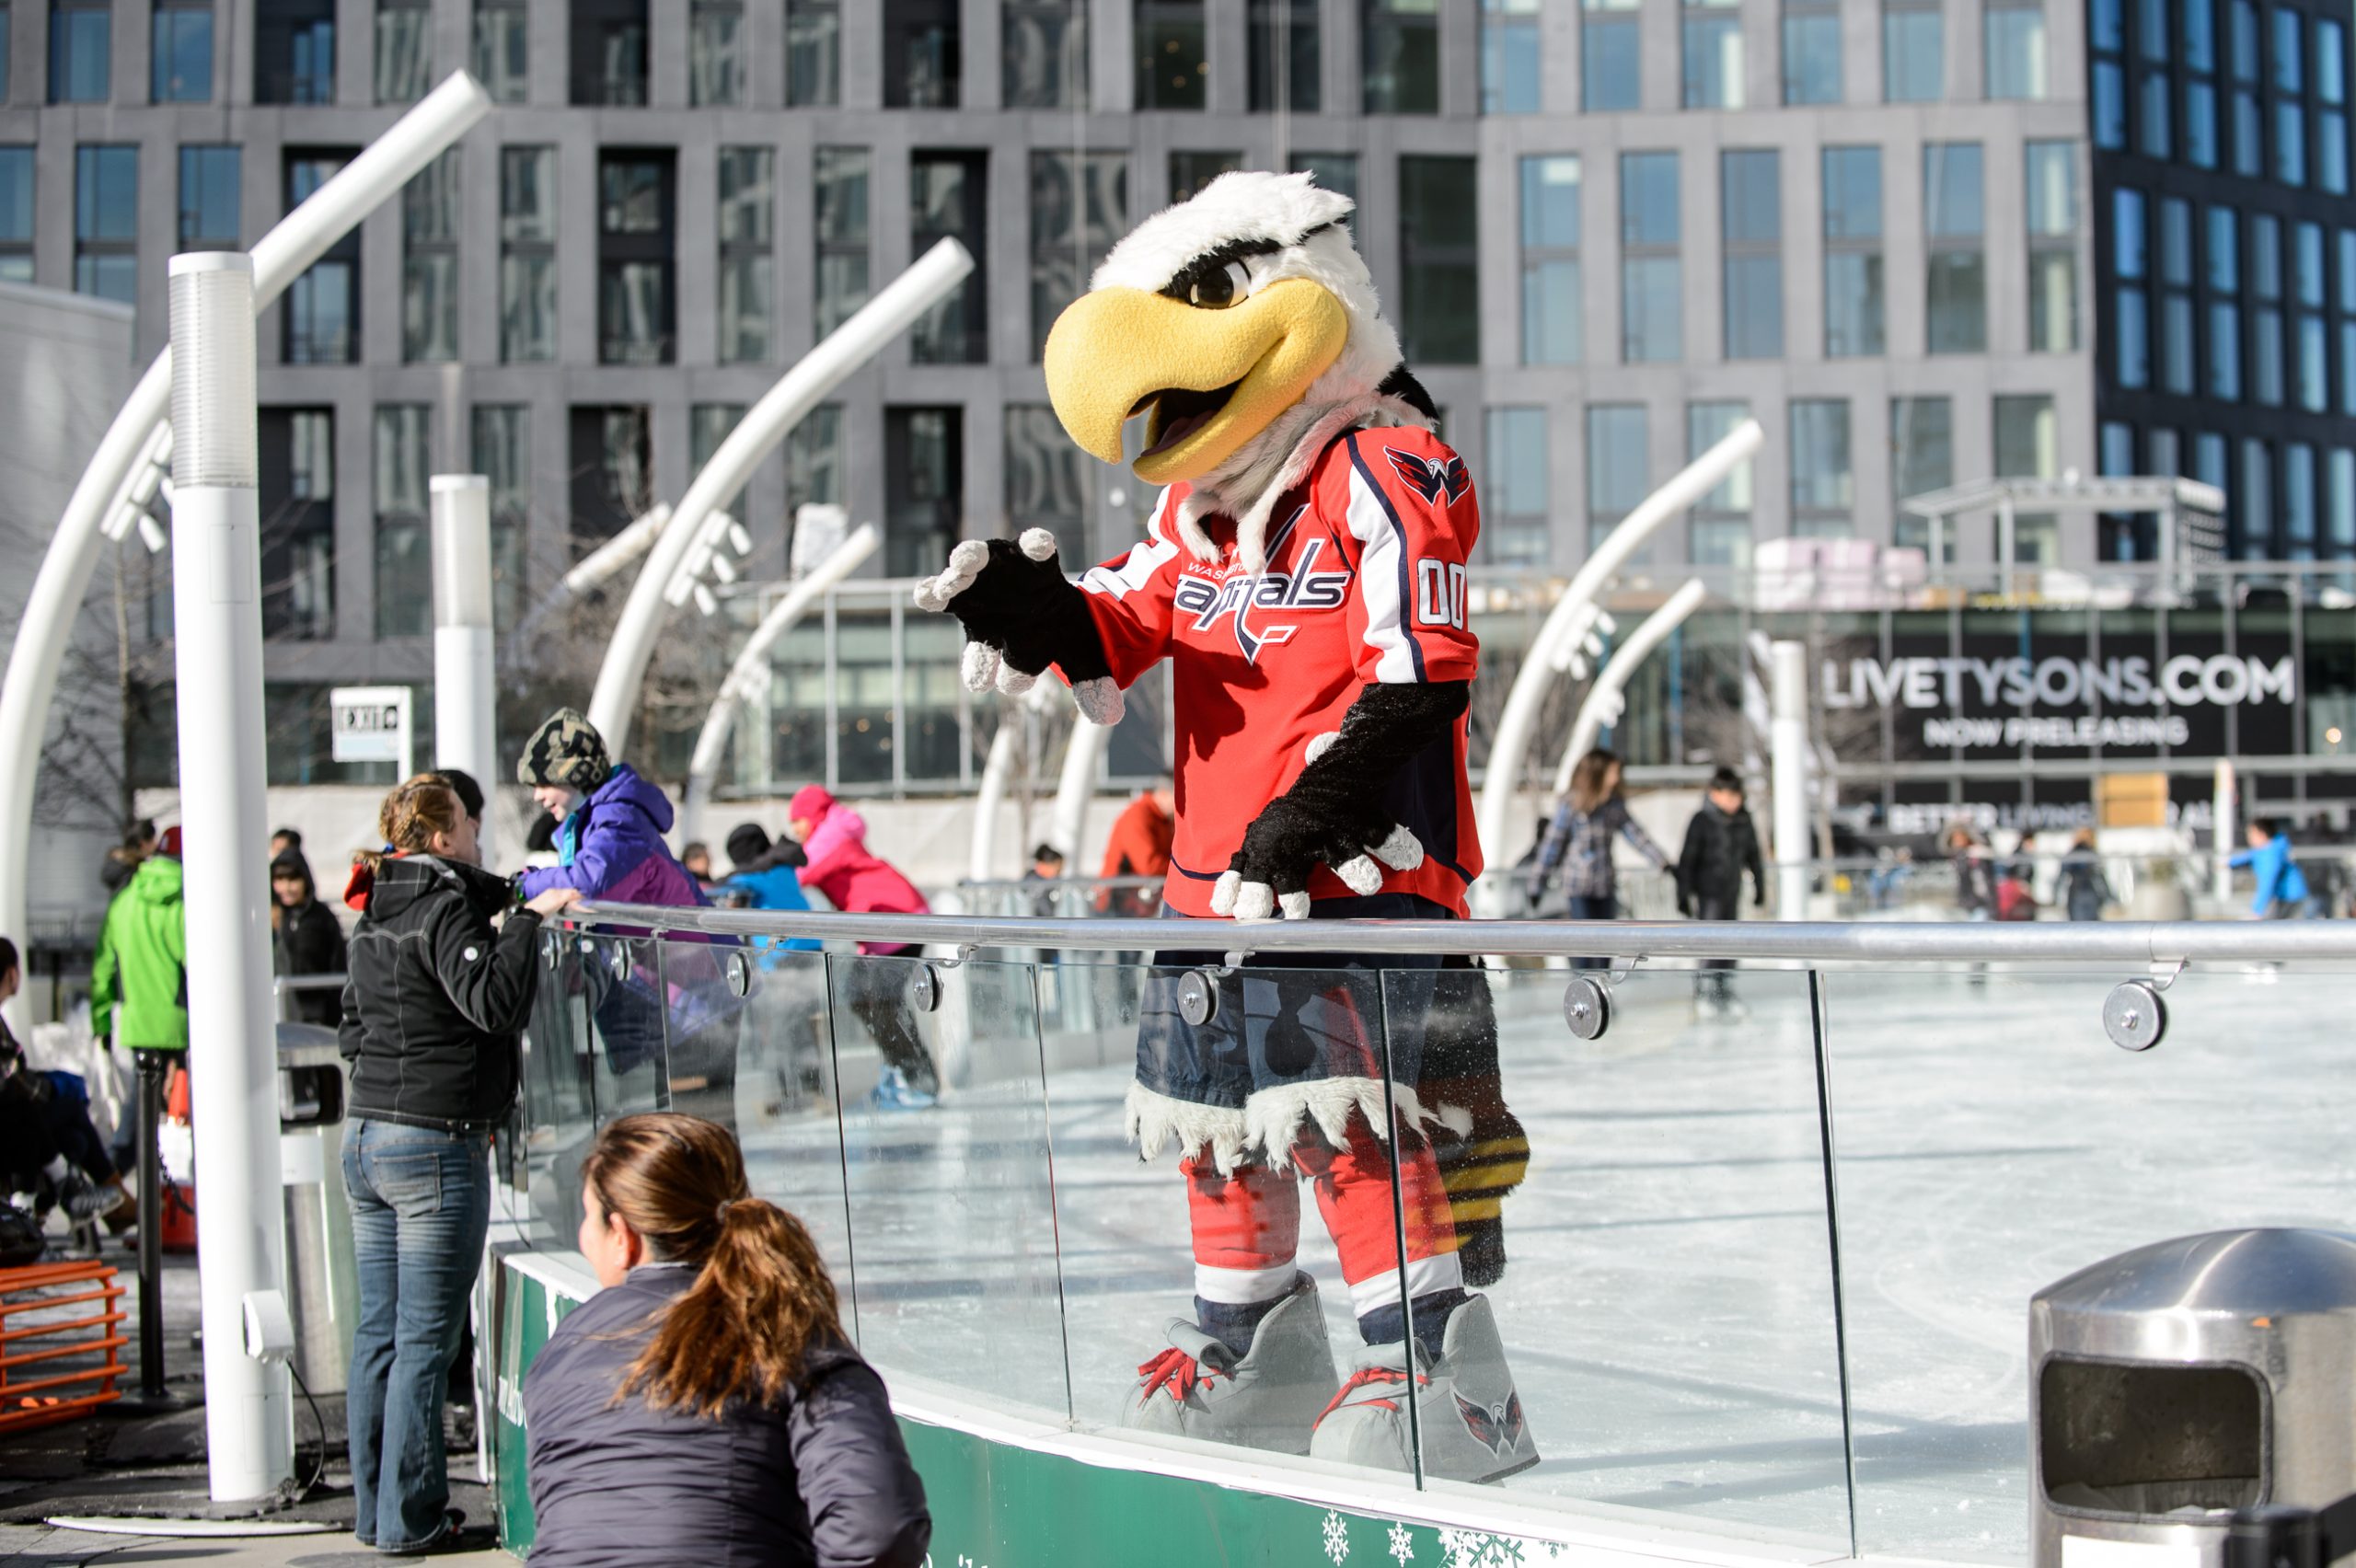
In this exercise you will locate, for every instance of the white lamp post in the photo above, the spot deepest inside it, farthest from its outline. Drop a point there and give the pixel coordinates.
(216, 602)
(1787, 754)
(466, 701)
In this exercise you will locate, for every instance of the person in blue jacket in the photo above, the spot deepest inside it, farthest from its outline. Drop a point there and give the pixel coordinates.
(761, 876)
(2281, 887)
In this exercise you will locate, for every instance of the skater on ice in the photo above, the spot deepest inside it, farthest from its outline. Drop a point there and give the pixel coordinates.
(1304, 571)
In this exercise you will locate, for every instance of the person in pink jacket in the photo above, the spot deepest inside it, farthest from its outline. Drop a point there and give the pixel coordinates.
(856, 880)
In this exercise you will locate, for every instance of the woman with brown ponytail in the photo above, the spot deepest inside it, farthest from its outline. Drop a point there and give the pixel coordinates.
(704, 1406)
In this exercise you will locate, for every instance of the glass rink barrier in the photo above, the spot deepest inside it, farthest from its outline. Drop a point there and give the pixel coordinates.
(1727, 1231)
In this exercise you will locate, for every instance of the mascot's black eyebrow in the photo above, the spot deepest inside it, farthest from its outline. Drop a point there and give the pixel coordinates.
(1212, 260)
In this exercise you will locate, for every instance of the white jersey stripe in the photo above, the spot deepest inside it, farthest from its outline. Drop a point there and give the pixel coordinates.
(1380, 574)
(1147, 556)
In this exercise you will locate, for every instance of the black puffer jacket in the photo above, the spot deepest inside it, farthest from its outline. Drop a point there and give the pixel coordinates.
(821, 1479)
(437, 997)
(1719, 846)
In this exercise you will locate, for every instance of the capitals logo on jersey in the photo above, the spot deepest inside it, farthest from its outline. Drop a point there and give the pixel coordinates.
(1429, 477)
(1299, 587)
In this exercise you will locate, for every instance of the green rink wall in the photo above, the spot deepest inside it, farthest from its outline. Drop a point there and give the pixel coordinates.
(1001, 1504)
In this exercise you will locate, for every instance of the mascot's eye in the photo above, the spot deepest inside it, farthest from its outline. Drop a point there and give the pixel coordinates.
(1219, 289)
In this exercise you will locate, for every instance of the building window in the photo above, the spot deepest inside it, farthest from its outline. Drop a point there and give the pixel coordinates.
(296, 452)
(322, 324)
(16, 215)
(2313, 371)
(210, 187)
(2015, 43)
(1400, 45)
(924, 486)
(1853, 254)
(840, 234)
(635, 224)
(180, 67)
(1953, 223)
(503, 49)
(1438, 232)
(1551, 332)
(2028, 445)
(1329, 171)
(950, 194)
(2221, 277)
(2177, 333)
(2130, 268)
(609, 52)
(1619, 465)
(1751, 218)
(1047, 486)
(612, 464)
(1914, 52)
(2266, 309)
(2107, 110)
(2290, 84)
(814, 53)
(1922, 459)
(1514, 491)
(923, 54)
(2298, 501)
(748, 266)
(430, 262)
(2249, 138)
(1812, 51)
(2253, 501)
(814, 459)
(1609, 51)
(5, 56)
(295, 51)
(1190, 172)
(527, 255)
(1173, 54)
(2052, 247)
(710, 424)
(404, 49)
(2339, 502)
(1650, 273)
(716, 53)
(81, 37)
(1720, 521)
(501, 449)
(1510, 57)
(2331, 95)
(106, 223)
(1078, 210)
(404, 537)
(2200, 60)
(1043, 54)
(1713, 50)
(1823, 477)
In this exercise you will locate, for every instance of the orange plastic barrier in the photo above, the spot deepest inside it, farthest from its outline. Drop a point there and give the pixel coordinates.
(35, 1390)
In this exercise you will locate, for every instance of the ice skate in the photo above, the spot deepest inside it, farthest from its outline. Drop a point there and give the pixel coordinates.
(1471, 1415)
(1267, 1398)
(893, 1091)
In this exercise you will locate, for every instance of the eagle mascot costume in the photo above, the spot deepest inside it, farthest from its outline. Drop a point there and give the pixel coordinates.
(1303, 571)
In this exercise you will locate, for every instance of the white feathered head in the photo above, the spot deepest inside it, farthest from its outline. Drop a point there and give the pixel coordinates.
(1243, 326)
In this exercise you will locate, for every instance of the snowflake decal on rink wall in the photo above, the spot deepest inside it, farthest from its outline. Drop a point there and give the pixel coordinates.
(1402, 1544)
(1471, 1549)
(1337, 1536)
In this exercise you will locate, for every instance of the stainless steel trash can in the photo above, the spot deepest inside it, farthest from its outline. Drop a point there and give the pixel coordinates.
(322, 1277)
(2176, 1383)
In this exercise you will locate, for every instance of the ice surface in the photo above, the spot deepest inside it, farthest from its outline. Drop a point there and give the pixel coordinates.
(1670, 1303)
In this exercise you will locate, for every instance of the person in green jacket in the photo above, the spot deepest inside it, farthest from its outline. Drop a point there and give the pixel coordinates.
(139, 984)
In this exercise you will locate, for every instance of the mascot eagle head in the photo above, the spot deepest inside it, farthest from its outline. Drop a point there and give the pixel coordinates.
(1243, 325)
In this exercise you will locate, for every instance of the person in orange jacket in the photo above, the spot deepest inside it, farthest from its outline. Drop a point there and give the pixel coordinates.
(1139, 846)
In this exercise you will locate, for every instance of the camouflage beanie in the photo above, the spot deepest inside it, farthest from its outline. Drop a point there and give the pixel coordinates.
(565, 750)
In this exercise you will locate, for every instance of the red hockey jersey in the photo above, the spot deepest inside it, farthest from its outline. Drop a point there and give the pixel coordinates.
(1365, 582)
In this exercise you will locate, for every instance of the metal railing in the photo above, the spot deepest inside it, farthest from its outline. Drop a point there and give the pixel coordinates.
(2116, 942)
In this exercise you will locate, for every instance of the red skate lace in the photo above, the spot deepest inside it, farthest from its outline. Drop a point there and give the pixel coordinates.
(1365, 1377)
(1175, 1370)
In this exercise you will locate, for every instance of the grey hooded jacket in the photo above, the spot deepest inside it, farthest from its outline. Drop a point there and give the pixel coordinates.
(819, 1481)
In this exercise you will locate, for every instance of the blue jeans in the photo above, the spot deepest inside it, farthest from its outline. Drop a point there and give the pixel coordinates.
(421, 1205)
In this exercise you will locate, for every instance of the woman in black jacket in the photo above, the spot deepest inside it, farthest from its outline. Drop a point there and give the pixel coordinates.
(431, 1009)
(704, 1406)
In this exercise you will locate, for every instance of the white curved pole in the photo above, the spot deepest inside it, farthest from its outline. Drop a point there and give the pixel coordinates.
(765, 424)
(1081, 754)
(279, 256)
(1569, 636)
(1604, 704)
(990, 792)
(751, 671)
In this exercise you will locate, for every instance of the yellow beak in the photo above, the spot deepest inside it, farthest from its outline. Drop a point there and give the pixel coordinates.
(1114, 348)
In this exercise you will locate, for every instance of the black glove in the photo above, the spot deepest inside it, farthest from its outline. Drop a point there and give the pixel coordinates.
(1021, 614)
(1333, 814)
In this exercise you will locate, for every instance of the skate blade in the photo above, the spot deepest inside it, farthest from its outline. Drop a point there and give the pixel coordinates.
(1512, 1470)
